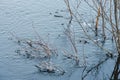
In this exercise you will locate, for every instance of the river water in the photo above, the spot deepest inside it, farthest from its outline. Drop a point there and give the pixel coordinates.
(21, 17)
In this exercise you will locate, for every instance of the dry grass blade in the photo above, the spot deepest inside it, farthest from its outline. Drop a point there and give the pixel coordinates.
(97, 21)
(71, 38)
(116, 71)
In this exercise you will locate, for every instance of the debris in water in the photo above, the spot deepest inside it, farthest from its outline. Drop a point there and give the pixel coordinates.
(58, 16)
(50, 68)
